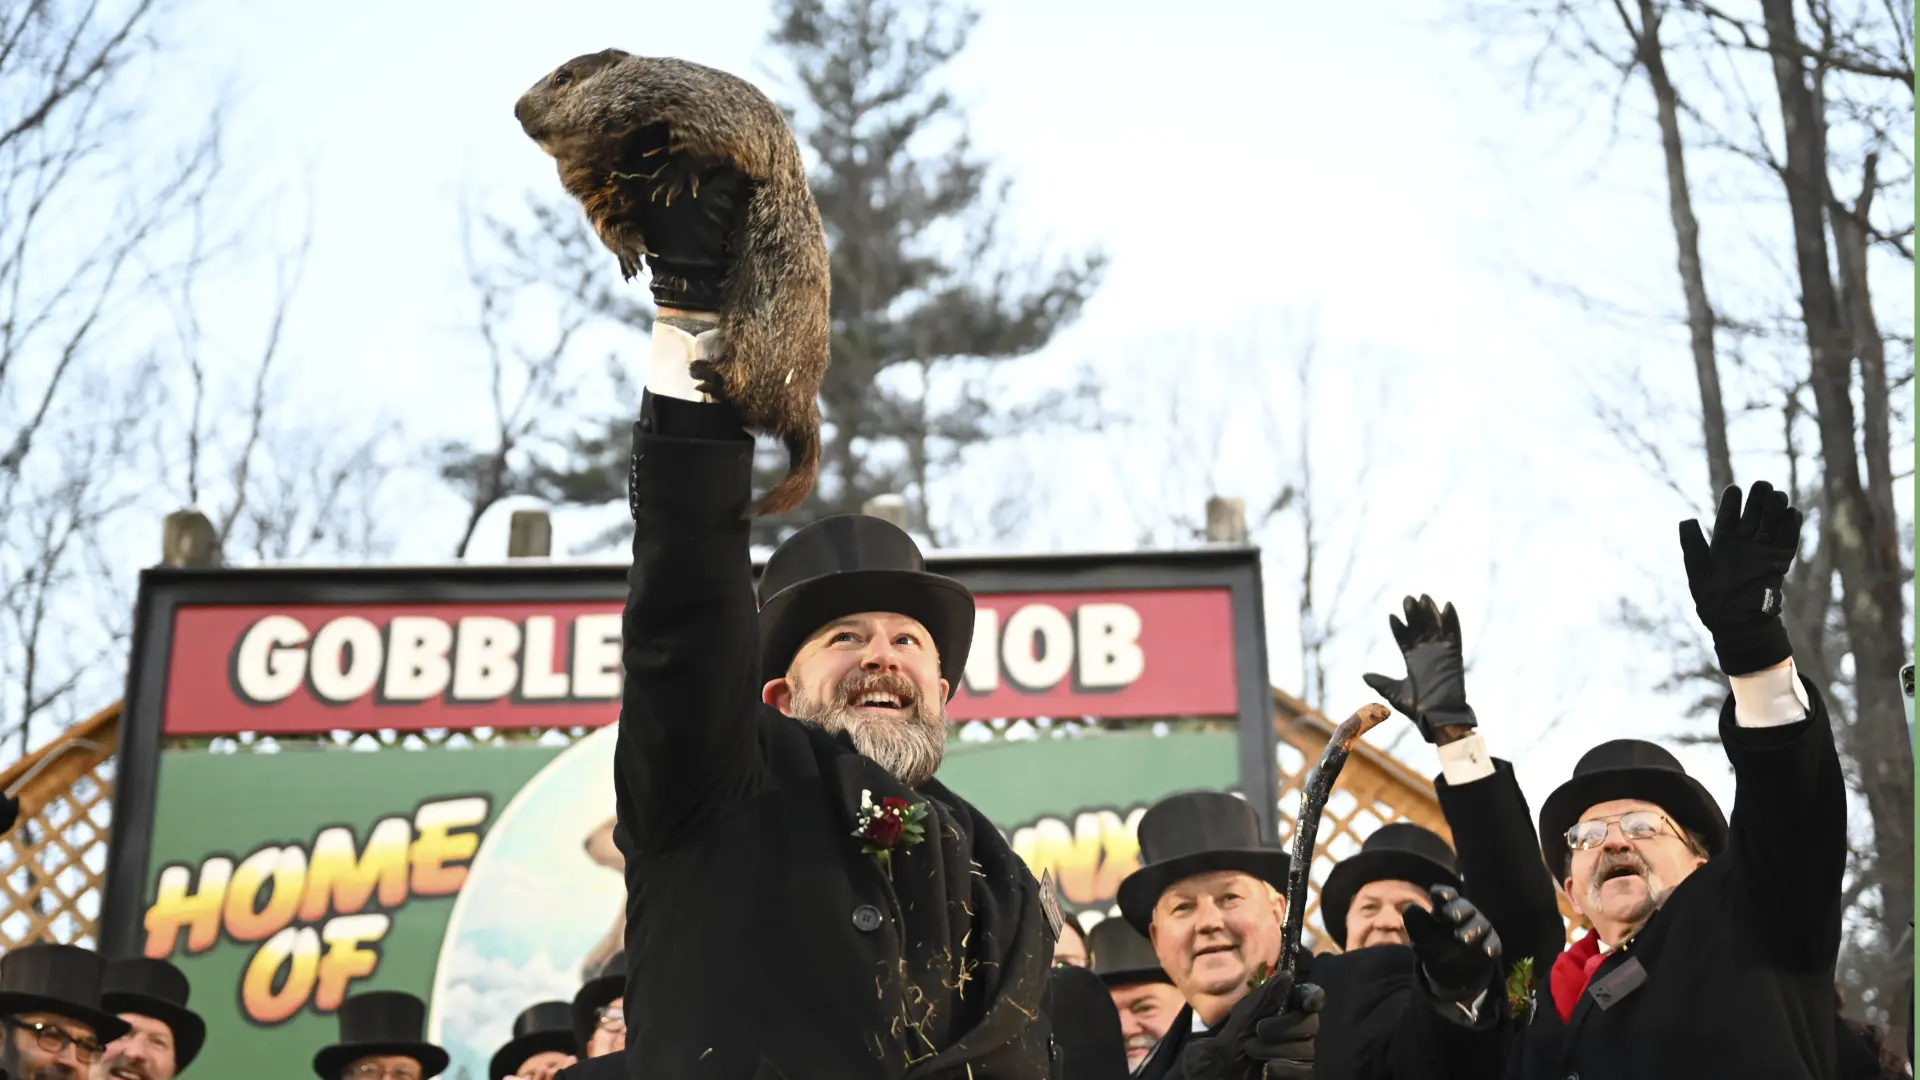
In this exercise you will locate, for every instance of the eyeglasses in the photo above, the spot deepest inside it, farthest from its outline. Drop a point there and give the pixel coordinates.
(53, 1039)
(1634, 825)
(369, 1071)
(611, 1020)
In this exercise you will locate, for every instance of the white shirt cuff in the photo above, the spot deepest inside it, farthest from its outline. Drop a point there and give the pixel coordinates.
(673, 351)
(1769, 698)
(1463, 761)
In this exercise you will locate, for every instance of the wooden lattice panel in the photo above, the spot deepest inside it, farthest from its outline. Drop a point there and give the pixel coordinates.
(53, 861)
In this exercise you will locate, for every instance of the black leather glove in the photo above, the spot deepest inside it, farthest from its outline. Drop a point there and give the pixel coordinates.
(690, 218)
(1270, 1033)
(1434, 693)
(1736, 579)
(1458, 949)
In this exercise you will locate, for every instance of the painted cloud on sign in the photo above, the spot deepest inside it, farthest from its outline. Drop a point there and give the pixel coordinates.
(535, 904)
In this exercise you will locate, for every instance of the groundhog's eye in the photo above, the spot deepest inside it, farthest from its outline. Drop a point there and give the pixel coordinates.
(562, 77)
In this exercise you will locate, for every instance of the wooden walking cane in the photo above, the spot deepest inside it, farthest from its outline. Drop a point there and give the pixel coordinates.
(1313, 801)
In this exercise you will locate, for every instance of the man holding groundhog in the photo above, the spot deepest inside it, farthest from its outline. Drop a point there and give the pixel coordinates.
(804, 898)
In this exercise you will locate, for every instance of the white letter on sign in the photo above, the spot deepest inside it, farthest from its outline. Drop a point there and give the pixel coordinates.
(1110, 653)
(486, 661)
(596, 657)
(983, 660)
(1038, 647)
(345, 658)
(538, 681)
(269, 665)
(417, 667)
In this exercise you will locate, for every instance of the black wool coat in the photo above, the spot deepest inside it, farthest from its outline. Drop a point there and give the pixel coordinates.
(760, 940)
(1378, 1023)
(1733, 976)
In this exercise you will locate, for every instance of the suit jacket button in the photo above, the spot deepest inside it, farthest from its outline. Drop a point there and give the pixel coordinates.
(866, 918)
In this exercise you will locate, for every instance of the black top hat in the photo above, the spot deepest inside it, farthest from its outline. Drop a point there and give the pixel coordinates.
(1196, 832)
(1121, 957)
(1400, 851)
(380, 1022)
(1628, 769)
(598, 991)
(545, 1027)
(59, 979)
(1086, 1026)
(158, 989)
(850, 563)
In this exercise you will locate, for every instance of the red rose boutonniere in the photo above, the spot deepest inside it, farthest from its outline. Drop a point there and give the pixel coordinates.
(894, 822)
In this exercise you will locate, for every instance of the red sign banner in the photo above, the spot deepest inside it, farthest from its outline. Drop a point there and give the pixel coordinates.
(301, 669)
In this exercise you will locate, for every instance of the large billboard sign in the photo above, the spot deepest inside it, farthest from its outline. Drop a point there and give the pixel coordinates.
(339, 780)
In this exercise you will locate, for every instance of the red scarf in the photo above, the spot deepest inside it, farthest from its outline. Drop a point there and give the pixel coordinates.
(1572, 971)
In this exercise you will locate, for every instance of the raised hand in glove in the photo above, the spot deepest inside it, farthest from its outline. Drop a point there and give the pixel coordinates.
(1434, 693)
(1736, 579)
(688, 210)
(1458, 949)
(1270, 1034)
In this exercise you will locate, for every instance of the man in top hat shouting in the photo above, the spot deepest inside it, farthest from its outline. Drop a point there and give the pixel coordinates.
(50, 1013)
(1208, 895)
(1145, 997)
(543, 1043)
(382, 1037)
(1366, 899)
(1713, 943)
(786, 839)
(164, 1035)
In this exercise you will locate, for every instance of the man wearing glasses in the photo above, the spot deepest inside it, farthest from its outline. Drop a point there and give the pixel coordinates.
(50, 1011)
(599, 1010)
(1713, 944)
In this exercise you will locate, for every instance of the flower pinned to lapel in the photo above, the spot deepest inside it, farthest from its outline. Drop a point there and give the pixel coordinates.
(894, 822)
(1520, 988)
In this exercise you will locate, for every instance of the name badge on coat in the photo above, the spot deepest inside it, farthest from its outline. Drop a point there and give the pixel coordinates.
(1618, 983)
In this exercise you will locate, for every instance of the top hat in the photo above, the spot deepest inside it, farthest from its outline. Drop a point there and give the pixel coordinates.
(158, 989)
(852, 563)
(380, 1022)
(538, 1029)
(59, 979)
(1400, 851)
(1086, 1025)
(1121, 957)
(596, 993)
(1196, 832)
(1628, 769)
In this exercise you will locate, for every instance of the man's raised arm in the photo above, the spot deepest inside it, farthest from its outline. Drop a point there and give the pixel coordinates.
(1787, 837)
(689, 711)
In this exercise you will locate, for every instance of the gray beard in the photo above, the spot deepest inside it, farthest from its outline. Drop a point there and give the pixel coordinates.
(910, 746)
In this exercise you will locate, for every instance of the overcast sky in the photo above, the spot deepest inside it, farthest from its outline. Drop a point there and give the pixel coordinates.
(1367, 177)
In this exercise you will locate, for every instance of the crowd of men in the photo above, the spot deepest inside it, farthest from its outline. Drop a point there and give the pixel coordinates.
(67, 1015)
(806, 899)
(786, 840)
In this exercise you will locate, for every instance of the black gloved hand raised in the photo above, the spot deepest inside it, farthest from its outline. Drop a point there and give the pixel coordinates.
(690, 215)
(1736, 580)
(1434, 693)
(1458, 949)
(1270, 1033)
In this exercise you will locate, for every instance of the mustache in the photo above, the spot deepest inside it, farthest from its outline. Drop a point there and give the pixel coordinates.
(1142, 1041)
(860, 683)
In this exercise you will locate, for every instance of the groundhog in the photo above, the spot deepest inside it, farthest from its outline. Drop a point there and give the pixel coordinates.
(600, 116)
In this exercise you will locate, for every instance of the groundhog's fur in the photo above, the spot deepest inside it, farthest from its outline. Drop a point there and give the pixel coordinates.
(589, 114)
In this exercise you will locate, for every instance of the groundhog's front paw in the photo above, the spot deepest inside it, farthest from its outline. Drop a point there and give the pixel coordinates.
(706, 375)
